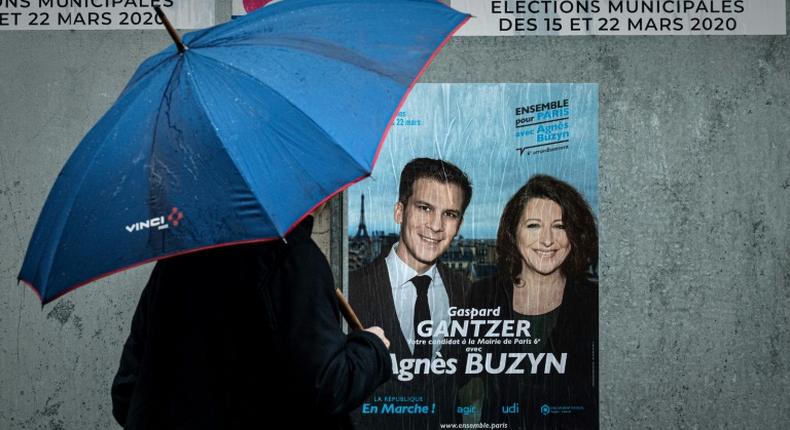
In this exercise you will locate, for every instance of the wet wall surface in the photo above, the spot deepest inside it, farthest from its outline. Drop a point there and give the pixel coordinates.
(695, 219)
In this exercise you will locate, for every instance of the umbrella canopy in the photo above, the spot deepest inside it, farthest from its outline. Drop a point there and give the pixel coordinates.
(235, 139)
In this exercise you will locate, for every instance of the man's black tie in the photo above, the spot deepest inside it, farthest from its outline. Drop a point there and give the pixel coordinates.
(422, 312)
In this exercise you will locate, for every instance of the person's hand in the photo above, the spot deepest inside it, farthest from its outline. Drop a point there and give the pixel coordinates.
(378, 331)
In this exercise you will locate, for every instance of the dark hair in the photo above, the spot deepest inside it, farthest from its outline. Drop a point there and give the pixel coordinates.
(440, 170)
(576, 216)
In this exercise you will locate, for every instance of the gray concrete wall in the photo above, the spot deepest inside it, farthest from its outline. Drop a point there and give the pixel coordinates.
(695, 219)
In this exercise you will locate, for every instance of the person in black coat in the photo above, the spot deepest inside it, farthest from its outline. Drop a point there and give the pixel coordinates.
(547, 244)
(229, 338)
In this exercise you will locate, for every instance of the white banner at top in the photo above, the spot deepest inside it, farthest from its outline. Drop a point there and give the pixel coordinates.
(622, 17)
(103, 14)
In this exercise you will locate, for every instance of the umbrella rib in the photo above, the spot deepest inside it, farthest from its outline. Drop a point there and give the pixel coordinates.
(232, 162)
(165, 96)
(318, 126)
(141, 77)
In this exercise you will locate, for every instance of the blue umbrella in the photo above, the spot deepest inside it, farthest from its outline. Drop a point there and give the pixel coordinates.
(234, 135)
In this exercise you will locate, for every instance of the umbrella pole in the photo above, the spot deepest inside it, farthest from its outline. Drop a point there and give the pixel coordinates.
(347, 312)
(170, 29)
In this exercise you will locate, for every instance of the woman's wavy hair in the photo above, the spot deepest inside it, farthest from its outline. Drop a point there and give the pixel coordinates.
(577, 218)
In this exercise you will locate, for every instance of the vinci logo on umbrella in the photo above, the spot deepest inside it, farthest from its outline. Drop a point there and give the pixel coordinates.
(159, 223)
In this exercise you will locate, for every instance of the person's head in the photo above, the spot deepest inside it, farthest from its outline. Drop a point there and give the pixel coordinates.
(432, 199)
(547, 226)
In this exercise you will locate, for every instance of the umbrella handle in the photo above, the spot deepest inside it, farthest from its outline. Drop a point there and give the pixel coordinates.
(347, 312)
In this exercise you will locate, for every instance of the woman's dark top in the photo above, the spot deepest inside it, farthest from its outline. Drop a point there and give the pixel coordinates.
(545, 401)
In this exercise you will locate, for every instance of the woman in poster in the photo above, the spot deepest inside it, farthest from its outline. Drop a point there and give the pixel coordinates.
(547, 251)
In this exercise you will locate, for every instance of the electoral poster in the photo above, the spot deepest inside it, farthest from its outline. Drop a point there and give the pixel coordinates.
(474, 245)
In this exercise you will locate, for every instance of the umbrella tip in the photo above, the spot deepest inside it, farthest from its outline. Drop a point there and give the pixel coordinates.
(170, 30)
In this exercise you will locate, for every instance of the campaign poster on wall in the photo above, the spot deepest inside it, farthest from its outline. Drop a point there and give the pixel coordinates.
(474, 246)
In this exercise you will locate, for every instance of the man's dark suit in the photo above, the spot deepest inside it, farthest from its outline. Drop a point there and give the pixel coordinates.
(370, 295)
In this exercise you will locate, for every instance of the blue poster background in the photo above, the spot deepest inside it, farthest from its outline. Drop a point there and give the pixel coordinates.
(473, 126)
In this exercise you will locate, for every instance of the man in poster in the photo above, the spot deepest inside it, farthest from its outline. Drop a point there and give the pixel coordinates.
(408, 285)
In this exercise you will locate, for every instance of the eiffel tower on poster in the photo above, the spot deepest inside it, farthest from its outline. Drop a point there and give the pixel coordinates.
(360, 247)
(362, 230)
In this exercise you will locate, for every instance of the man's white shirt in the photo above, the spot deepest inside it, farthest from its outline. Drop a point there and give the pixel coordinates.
(404, 295)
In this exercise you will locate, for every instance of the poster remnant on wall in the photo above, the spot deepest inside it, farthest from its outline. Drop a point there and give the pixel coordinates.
(243, 7)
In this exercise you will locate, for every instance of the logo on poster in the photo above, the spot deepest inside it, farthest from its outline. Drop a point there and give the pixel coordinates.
(545, 409)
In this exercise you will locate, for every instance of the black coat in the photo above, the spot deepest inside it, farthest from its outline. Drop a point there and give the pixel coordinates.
(231, 337)
(370, 295)
(575, 333)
